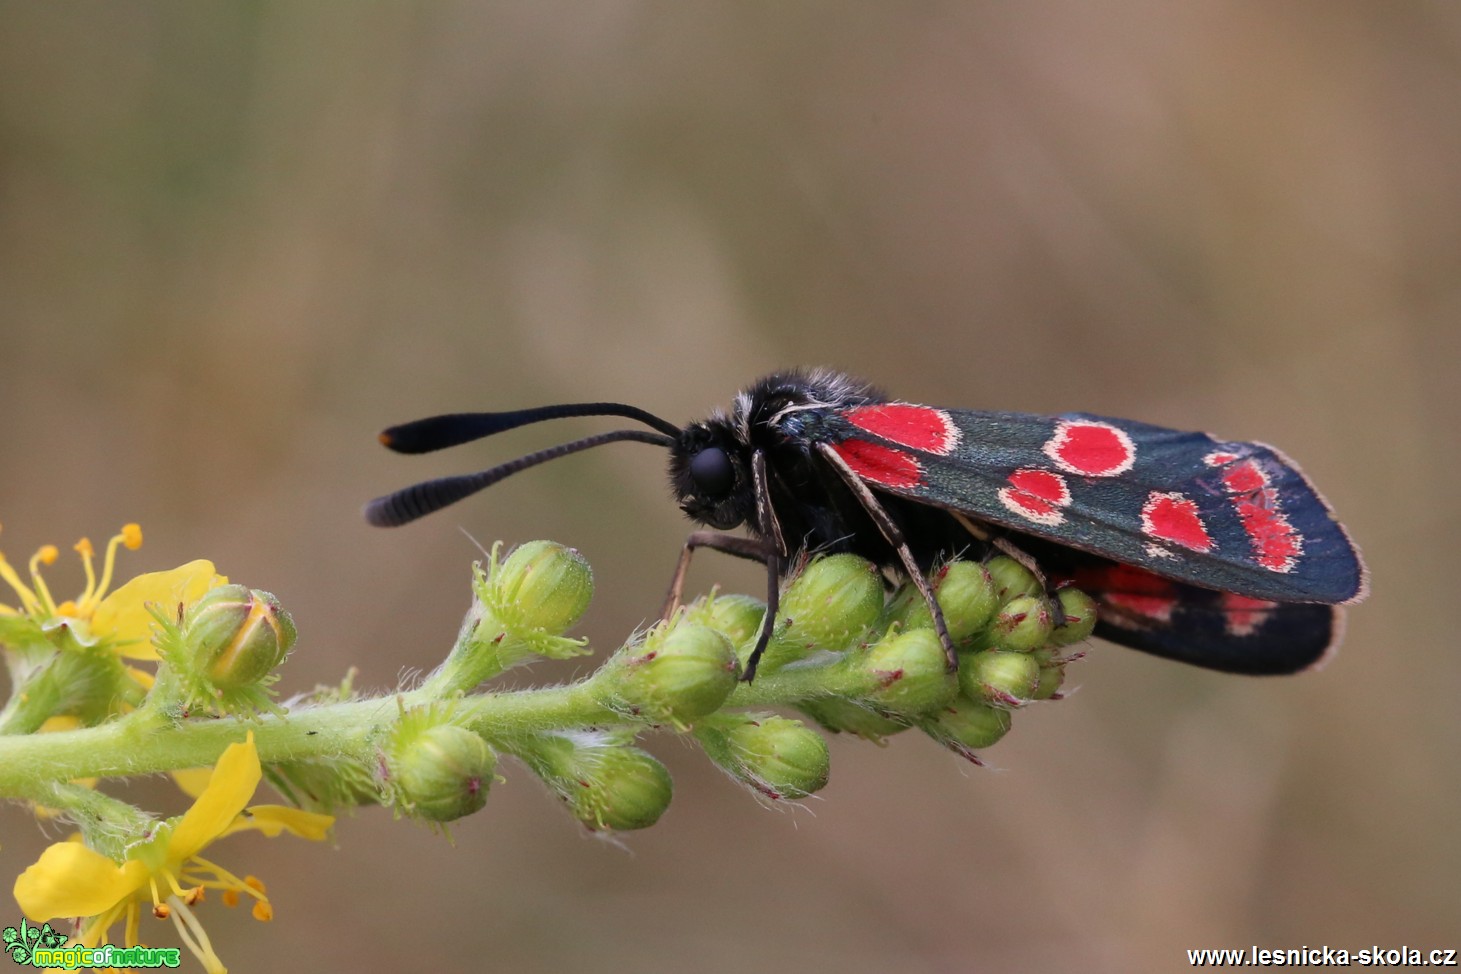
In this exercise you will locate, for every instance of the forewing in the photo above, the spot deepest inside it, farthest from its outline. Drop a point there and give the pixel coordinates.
(1230, 516)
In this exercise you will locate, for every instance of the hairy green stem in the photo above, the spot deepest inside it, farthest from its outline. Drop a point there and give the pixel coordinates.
(147, 743)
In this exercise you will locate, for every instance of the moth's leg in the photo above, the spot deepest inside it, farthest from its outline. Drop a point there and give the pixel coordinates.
(768, 621)
(770, 552)
(732, 544)
(770, 529)
(894, 536)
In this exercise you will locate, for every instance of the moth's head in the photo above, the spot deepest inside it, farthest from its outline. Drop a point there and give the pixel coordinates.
(710, 473)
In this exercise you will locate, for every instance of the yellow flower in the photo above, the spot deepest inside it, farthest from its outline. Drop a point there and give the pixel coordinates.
(166, 870)
(119, 617)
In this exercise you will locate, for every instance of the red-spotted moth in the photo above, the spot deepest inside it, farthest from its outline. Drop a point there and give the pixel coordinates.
(1212, 552)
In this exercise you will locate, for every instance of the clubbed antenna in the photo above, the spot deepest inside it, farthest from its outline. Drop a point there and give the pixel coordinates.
(419, 500)
(440, 432)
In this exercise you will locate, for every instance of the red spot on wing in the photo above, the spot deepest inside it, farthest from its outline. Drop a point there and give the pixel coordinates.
(1117, 577)
(1173, 517)
(1242, 615)
(1244, 477)
(1042, 484)
(917, 427)
(1276, 545)
(1036, 495)
(879, 464)
(1132, 596)
(1274, 539)
(1154, 607)
(1091, 449)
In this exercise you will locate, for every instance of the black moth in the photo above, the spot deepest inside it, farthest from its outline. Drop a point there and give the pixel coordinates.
(1211, 552)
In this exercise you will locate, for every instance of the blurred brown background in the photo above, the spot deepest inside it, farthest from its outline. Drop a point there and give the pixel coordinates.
(235, 241)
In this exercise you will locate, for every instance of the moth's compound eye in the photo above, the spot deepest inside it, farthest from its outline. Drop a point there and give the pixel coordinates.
(712, 472)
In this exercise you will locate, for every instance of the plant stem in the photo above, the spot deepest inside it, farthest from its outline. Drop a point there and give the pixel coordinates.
(147, 743)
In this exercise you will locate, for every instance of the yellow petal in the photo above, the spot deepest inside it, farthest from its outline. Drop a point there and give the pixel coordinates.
(234, 779)
(273, 820)
(70, 880)
(123, 615)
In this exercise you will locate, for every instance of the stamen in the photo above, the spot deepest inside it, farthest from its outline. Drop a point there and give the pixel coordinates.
(152, 885)
(87, 553)
(27, 597)
(195, 937)
(251, 885)
(28, 600)
(131, 536)
(45, 555)
(173, 884)
(230, 897)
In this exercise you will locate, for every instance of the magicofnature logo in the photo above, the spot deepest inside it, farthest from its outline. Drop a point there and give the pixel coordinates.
(43, 947)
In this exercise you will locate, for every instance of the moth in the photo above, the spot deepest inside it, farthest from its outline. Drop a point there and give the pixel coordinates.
(1213, 552)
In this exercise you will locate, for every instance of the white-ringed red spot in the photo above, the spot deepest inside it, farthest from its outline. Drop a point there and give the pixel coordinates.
(1036, 495)
(878, 464)
(917, 427)
(1173, 517)
(1090, 448)
(1276, 545)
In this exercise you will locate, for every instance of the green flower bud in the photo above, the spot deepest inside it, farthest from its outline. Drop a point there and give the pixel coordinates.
(440, 773)
(1011, 579)
(675, 675)
(237, 635)
(838, 714)
(547, 584)
(778, 757)
(965, 592)
(627, 789)
(1052, 677)
(1080, 617)
(737, 616)
(909, 673)
(999, 677)
(967, 725)
(1023, 625)
(606, 783)
(831, 603)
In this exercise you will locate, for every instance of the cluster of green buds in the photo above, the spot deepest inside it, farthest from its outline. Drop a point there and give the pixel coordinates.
(846, 655)
(883, 670)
